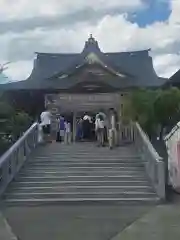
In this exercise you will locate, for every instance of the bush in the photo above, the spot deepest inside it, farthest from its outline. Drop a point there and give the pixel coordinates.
(12, 124)
(21, 122)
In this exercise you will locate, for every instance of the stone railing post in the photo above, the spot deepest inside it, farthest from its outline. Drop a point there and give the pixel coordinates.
(126, 132)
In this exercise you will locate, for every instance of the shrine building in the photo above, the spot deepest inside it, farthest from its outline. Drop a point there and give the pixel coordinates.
(89, 81)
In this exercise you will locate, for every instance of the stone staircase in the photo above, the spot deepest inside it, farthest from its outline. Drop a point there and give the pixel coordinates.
(79, 173)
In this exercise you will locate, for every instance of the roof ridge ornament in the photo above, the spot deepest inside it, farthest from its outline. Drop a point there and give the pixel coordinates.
(91, 39)
(91, 45)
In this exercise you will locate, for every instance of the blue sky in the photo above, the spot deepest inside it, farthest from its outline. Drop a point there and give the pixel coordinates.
(64, 26)
(156, 10)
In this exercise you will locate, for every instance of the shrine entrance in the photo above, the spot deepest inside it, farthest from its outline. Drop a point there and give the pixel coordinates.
(75, 106)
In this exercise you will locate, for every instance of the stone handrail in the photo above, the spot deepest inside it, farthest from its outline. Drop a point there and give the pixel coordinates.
(13, 159)
(154, 164)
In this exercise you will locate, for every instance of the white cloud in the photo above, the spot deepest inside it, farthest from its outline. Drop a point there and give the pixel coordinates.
(18, 9)
(175, 16)
(167, 64)
(114, 33)
(19, 70)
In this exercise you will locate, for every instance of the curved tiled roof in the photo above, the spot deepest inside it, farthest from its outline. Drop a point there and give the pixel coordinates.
(174, 80)
(137, 64)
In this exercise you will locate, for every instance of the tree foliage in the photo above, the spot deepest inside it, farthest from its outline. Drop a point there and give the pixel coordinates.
(12, 124)
(167, 106)
(140, 108)
(154, 108)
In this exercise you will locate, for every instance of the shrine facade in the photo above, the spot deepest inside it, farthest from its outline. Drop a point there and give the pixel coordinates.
(86, 81)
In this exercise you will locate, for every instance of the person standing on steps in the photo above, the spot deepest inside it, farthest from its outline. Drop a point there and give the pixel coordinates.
(99, 128)
(67, 137)
(46, 125)
(79, 128)
(112, 130)
(61, 129)
(57, 129)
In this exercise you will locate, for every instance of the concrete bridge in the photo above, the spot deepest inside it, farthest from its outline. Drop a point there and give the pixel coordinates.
(78, 191)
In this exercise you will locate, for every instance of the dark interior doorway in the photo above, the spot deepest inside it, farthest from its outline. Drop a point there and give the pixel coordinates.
(85, 127)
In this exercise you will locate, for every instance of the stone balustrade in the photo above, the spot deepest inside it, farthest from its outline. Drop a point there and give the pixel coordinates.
(126, 133)
(154, 164)
(13, 159)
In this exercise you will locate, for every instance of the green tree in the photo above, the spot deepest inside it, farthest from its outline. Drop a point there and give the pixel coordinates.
(140, 108)
(12, 123)
(167, 108)
(155, 110)
(20, 123)
(6, 113)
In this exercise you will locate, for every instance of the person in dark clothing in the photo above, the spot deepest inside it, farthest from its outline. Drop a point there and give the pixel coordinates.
(60, 129)
(57, 130)
(79, 134)
(86, 129)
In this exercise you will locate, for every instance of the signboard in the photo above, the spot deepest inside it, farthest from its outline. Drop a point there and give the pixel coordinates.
(81, 102)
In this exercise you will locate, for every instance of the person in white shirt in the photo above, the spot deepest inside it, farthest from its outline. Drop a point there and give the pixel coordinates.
(46, 124)
(67, 137)
(99, 128)
(112, 130)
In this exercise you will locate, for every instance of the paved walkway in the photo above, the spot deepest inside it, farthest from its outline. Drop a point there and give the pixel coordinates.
(162, 223)
(84, 222)
(5, 230)
(92, 222)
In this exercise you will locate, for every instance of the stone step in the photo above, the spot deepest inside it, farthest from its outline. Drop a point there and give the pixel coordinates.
(85, 160)
(62, 150)
(81, 174)
(79, 178)
(84, 183)
(88, 155)
(68, 195)
(82, 189)
(83, 164)
(71, 169)
(87, 146)
(47, 173)
(97, 200)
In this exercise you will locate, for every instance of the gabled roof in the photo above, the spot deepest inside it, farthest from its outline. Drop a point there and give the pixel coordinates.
(174, 80)
(135, 64)
(163, 81)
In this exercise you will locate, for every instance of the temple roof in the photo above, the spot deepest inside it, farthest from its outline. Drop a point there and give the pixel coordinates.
(137, 66)
(174, 80)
